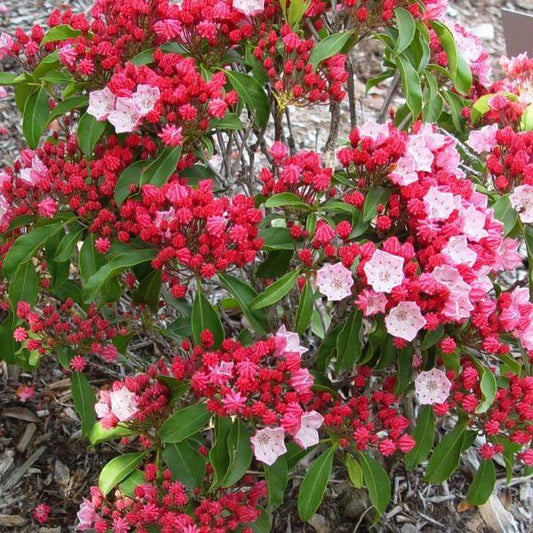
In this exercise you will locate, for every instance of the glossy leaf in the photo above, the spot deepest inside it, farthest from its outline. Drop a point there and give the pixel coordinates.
(60, 33)
(35, 116)
(424, 435)
(239, 453)
(157, 172)
(84, 400)
(375, 197)
(377, 482)
(275, 292)
(304, 312)
(205, 316)
(314, 484)
(482, 484)
(68, 244)
(406, 29)
(277, 478)
(252, 94)
(185, 423)
(328, 47)
(355, 472)
(89, 132)
(117, 470)
(24, 286)
(186, 462)
(349, 344)
(286, 199)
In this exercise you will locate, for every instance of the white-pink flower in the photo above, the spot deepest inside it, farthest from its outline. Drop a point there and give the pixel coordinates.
(307, 435)
(6, 42)
(287, 341)
(123, 404)
(405, 321)
(384, 271)
(439, 205)
(474, 223)
(126, 115)
(404, 172)
(86, 516)
(379, 133)
(484, 139)
(249, 7)
(522, 201)
(335, 281)
(458, 251)
(101, 104)
(302, 380)
(145, 98)
(221, 373)
(432, 387)
(268, 444)
(371, 303)
(35, 173)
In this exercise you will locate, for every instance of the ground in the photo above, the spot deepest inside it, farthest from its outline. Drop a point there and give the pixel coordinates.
(42, 458)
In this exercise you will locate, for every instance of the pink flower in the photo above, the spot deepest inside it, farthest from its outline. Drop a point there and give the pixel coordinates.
(47, 207)
(335, 281)
(126, 115)
(434, 9)
(302, 381)
(145, 98)
(404, 172)
(278, 151)
(25, 393)
(217, 108)
(171, 135)
(405, 321)
(268, 444)
(474, 223)
(35, 173)
(483, 140)
(220, 373)
(41, 512)
(384, 271)
(67, 55)
(249, 7)
(371, 303)
(308, 433)
(432, 387)
(439, 205)
(522, 201)
(379, 133)
(287, 341)
(6, 42)
(216, 225)
(86, 515)
(234, 402)
(458, 251)
(123, 404)
(101, 104)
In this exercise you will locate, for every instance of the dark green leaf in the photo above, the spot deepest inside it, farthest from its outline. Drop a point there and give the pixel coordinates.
(275, 292)
(35, 116)
(219, 454)
(149, 290)
(328, 47)
(98, 434)
(161, 168)
(129, 176)
(482, 484)
(240, 453)
(90, 260)
(185, 423)
(60, 33)
(377, 482)
(277, 478)
(406, 29)
(411, 86)
(186, 462)
(67, 105)
(84, 400)
(349, 344)
(504, 212)
(424, 434)
(286, 199)
(205, 316)
(314, 484)
(252, 93)
(89, 131)
(355, 472)
(24, 286)
(305, 309)
(376, 196)
(68, 244)
(118, 469)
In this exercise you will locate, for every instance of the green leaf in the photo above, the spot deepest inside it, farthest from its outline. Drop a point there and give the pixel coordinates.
(504, 212)
(149, 290)
(482, 484)
(230, 122)
(26, 246)
(186, 462)
(68, 244)
(277, 478)
(98, 434)
(406, 29)
(60, 33)
(432, 337)
(129, 485)
(177, 389)
(240, 453)
(8, 342)
(488, 388)
(275, 292)
(434, 103)
(185, 423)
(89, 132)
(24, 286)
(8, 78)
(297, 8)
(219, 453)
(244, 294)
(35, 116)
(314, 484)
(113, 268)
(277, 239)
(90, 260)
(424, 434)
(526, 122)
(376, 196)
(445, 458)
(129, 176)
(67, 105)
(287, 199)
(84, 400)
(118, 469)
(355, 472)
(252, 93)
(157, 172)
(205, 316)
(463, 78)
(377, 482)
(328, 47)
(304, 312)
(411, 85)
(349, 344)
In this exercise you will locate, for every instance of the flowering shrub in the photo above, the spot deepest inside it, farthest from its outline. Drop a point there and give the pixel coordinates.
(328, 309)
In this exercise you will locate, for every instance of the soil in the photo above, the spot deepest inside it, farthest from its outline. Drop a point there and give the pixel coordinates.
(43, 459)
